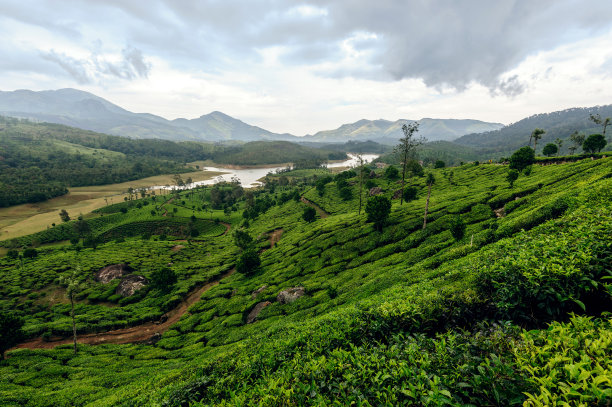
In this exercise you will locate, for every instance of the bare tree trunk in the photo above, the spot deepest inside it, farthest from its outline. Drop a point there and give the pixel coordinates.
(360, 182)
(426, 207)
(73, 322)
(403, 176)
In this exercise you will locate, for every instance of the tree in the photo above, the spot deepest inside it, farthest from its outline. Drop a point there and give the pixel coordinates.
(163, 279)
(430, 181)
(594, 143)
(522, 158)
(248, 263)
(346, 194)
(242, 239)
(457, 228)
(550, 149)
(73, 286)
(64, 215)
(81, 227)
(410, 193)
(577, 139)
(439, 164)
(391, 173)
(378, 208)
(536, 135)
(407, 147)
(10, 332)
(361, 171)
(559, 144)
(511, 177)
(309, 214)
(30, 253)
(596, 118)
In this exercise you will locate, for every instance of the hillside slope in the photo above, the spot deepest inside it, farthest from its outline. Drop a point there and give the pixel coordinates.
(560, 124)
(401, 316)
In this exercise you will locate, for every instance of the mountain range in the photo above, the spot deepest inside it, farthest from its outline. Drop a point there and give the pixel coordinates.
(87, 111)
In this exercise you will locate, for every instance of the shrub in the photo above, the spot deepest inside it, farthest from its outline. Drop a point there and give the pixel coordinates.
(242, 239)
(522, 158)
(439, 164)
(550, 149)
(309, 214)
(163, 279)
(457, 228)
(248, 263)
(346, 194)
(410, 193)
(391, 173)
(378, 209)
(30, 253)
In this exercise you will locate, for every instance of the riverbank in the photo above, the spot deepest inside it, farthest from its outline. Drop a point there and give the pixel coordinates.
(22, 220)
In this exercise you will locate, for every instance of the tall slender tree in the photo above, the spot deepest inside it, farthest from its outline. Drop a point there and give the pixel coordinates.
(430, 181)
(536, 135)
(73, 286)
(577, 139)
(407, 147)
(361, 169)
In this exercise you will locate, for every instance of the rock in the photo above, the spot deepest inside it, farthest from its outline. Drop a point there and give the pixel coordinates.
(256, 310)
(375, 191)
(107, 274)
(130, 284)
(289, 295)
(162, 319)
(397, 194)
(154, 338)
(255, 293)
(500, 213)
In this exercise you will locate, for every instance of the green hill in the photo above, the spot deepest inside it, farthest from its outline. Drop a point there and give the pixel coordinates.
(516, 310)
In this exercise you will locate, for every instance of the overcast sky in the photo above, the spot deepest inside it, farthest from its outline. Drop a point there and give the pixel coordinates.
(304, 66)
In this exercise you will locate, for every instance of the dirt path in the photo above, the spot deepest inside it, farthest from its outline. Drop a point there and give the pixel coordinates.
(162, 205)
(227, 228)
(138, 333)
(320, 211)
(275, 236)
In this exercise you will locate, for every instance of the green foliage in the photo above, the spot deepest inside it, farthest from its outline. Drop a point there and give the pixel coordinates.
(242, 239)
(457, 228)
(391, 173)
(10, 331)
(550, 149)
(378, 209)
(594, 143)
(249, 262)
(439, 164)
(512, 177)
(522, 158)
(163, 279)
(410, 193)
(309, 214)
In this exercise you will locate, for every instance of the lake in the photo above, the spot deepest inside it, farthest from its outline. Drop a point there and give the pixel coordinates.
(249, 176)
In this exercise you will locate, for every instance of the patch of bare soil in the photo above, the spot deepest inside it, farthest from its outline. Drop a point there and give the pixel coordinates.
(136, 334)
(106, 274)
(275, 236)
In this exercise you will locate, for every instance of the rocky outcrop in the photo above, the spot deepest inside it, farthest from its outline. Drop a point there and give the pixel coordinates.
(255, 293)
(289, 295)
(500, 213)
(255, 311)
(375, 191)
(130, 284)
(106, 274)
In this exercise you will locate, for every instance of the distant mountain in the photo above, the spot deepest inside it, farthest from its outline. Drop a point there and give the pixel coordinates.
(87, 111)
(560, 124)
(388, 132)
(219, 127)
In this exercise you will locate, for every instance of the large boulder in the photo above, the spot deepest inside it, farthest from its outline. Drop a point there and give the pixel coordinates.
(289, 295)
(130, 284)
(255, 311)
(375, 191)
(106, 274)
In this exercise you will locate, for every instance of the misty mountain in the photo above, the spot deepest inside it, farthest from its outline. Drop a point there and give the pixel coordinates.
(87, 111)
(560, 124)
(388, 132)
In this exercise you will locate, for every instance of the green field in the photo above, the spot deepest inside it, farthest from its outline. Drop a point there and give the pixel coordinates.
(514, 312)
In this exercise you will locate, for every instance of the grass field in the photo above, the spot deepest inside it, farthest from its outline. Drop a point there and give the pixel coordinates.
(22, 220)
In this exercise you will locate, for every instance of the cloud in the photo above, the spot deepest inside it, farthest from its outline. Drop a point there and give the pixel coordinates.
(131, 65)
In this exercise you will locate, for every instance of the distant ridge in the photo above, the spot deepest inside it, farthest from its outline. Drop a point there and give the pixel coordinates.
(560, 124)
(87, 111)
(388, 132)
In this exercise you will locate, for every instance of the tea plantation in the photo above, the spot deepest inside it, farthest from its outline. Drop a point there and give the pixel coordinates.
(504, 298)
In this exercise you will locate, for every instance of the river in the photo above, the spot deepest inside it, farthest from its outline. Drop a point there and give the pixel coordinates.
(249, 176)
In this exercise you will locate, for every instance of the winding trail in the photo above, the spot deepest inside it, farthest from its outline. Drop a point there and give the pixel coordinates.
(162, 205)
(134, 334)
(320, 211)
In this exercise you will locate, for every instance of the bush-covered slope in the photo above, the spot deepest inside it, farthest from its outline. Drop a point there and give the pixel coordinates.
(403, 316)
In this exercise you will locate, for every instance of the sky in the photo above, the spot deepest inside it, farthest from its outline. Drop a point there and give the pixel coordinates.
(304, 66)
